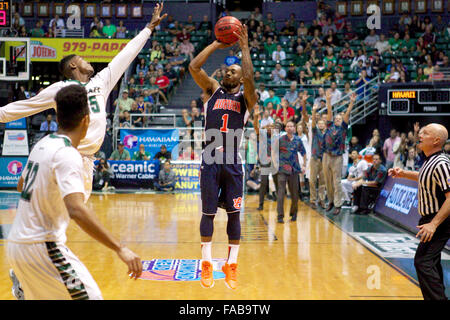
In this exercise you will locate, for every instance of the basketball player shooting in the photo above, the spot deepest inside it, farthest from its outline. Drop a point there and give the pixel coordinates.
(79, 71)
(226, 107)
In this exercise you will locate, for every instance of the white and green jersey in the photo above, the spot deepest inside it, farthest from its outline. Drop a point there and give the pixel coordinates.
(53, 171)
(99, 87)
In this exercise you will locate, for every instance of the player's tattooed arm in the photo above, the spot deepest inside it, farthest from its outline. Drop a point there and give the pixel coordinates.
(247, 69)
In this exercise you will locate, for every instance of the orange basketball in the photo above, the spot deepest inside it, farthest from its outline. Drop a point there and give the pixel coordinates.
(225, 27)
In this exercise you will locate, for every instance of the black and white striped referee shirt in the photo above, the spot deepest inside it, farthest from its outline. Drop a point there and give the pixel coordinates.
(434, 183)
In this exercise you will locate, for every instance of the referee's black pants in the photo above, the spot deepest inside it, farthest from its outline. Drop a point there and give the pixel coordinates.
(293, 184)
(427, 261)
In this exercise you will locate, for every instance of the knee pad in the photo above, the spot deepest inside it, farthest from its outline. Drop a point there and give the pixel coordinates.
(234, 226)
(207, 225)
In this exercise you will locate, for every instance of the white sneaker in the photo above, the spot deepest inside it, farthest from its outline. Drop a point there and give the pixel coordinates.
(16, 289)
(355, 208)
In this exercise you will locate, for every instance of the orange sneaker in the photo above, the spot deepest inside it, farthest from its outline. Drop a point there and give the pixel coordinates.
(207, 280)
(230, 271)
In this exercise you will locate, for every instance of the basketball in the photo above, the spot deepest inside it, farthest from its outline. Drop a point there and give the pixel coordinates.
(225, 27)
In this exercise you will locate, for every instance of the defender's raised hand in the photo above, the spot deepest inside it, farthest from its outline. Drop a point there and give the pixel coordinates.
(156, 18)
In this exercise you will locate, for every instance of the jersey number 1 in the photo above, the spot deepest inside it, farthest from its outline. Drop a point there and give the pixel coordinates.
(29, 180)
(224, 123)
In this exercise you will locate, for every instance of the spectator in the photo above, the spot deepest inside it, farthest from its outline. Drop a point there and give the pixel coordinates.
(59, 23)
(291, 95)
(349, 34)
(336, 94)
(279, 54)
(291, 73)
(355, 174)
(447, 148)
(302, 78)
(315, 26)
(330, 39)
(278, 74)
(371, 40)
(275, 100)
(97, 23)
(124, 103)
(269, 47)
(408, 45)
(302, 30)
(231, 59)
(392, 76)
(300, 58)
(314, 59)
(93, 34)
(136, 121)
(187, 49)
(388, 148)
(172, 75)
(158, 65)
(330, 26)
(18, 20)
(120, 153)
(163, 155)
(266, 120)
(361, 84)
(99, 155)
(156, 52)
(37, 32)
(125, 119)
(23, 32)
(177, 62)
(121, 32)
(162, 82)
(183, 35)
(205, 25)
(377, 65)
(354, 145)
(339, 21)
(49, 125)
(440, 26)
(316, 41)
(429, 37)
(166, 178)
(190, 24)
(263, 93)
(175, 28)
(366, 190)
(395, 42)
(412, 161)
(382, 45)
(141, 154)
(155, 91)
(102, 176)
(285, 113)
(185, 120)
(287, 29)
(142, 67)
(329, 73)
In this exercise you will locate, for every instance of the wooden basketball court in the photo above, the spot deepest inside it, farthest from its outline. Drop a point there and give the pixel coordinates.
(307, 259)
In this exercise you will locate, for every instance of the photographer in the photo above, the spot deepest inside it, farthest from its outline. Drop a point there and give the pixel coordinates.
(102, 176)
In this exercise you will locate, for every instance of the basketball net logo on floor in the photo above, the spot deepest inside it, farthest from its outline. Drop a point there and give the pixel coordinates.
(178, 269)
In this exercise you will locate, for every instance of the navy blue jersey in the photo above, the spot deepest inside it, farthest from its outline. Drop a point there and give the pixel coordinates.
(226, 112)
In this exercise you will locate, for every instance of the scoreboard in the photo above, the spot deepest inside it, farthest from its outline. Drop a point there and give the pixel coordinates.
(418, 102)
(5, 14)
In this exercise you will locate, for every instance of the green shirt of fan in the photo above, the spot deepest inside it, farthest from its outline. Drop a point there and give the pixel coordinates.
(109, 30)
(332, 59)
(410, 44)
(395, 44)
(270, 48)
(300, 60)
(139, 156)
(275, 101)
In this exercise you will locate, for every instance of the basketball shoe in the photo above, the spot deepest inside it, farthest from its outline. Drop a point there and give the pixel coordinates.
(207, 280)
(230, 271)
(16, 288)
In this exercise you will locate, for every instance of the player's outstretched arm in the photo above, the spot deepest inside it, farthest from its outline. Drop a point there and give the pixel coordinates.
(24, 108)
(206, 83)
(111, 74)
(329, 107)
(350, 107)
(92, 226)
(247, 69)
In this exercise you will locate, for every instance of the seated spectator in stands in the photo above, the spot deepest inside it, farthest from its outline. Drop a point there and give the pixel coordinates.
(162, 82)
(329, 26)
(175, 28)
(158, 65)
(329, 57)
(168, 23)
(254, 179)
(185, 120)
(23, 32)
(171, 74)
(358, 67)
(205, 25)
(275, 100)
(49, 125)
(382, 45)
(392, 76)
(278, 74)
(300, 58)
(317, 79)
(361, 83)
(421, 77)
(218, 75)
(331, 39)
(97, 23)
(187, 49)
(307, 68)
(291, 95)
(124, 103)
(166, 178)
(339, 74)
(346, 52)
(287, 29)
(270, 32)
(269, 47)
(141, 154)
(263, 93)
(102, 176)
(371, 39)
(329, 73)
(37, 32)
(377, 65)
(408, 45)
(412, 161)
(429, 68)
(354, 145)
(302, 78)
(395, 42)
(120, 153)
(355, 174)
(313, 58)
(136, 121)
(366, 190)
(231, 59)
(436, 75)
(183, 35)
(156, 52)
(93, 34)
(18, 20)
(177, 62)
(292, 74)
(58, 22)
(125, 119)
(447, 148)
(429, 37)
(163, 155)
(154, 90)
(190, 24)
(349, 33)
(121, 32)
(279, 54)
(314, 26)
(266, 120)
(302, 30)
(336, 94)
(316, 40)
(142, 67)
(285, 112)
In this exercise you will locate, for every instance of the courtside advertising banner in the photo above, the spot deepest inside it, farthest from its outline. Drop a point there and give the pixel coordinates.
(187, 175)
(10, 171)
(398, 201)
(17, 124)
(15, 143)
(152, 139)
(133, 174)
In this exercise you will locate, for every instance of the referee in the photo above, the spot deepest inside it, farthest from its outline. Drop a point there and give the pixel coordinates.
(434, 207)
